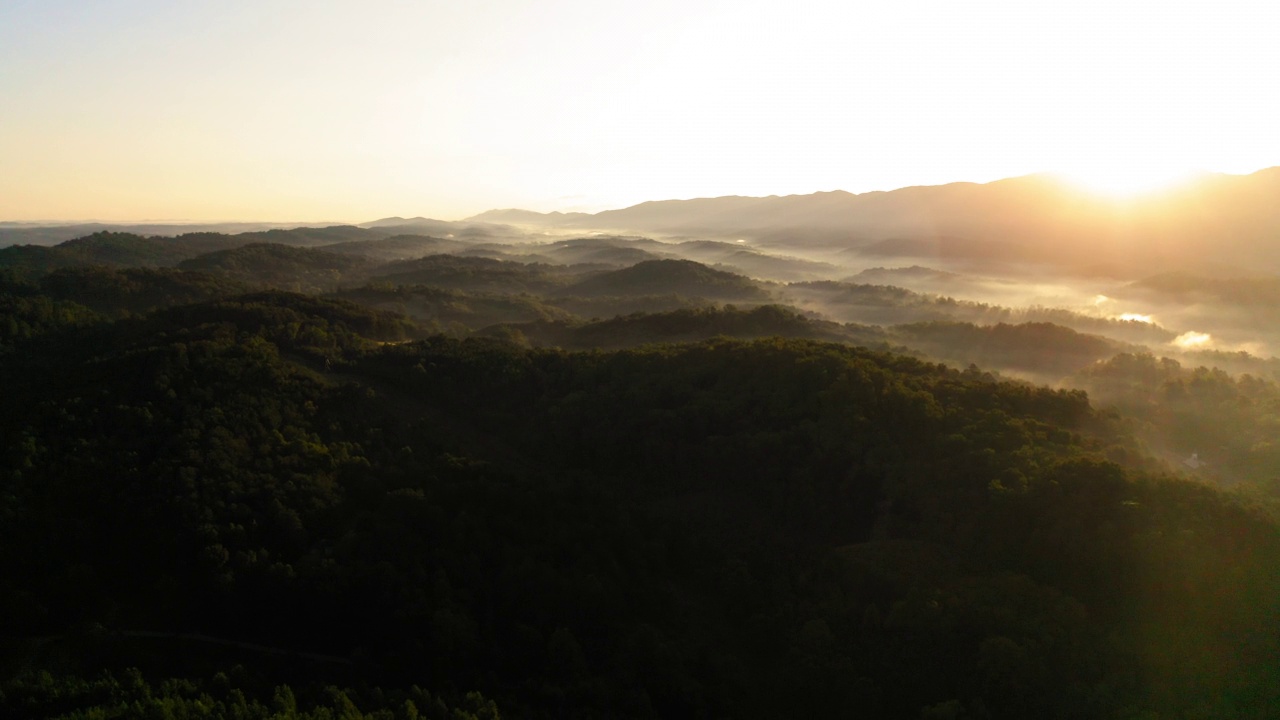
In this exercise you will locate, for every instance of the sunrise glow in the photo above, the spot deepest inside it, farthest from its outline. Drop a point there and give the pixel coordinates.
(1128, 181)
(276, 110)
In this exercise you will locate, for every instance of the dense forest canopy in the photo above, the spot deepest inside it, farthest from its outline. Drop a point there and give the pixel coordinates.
(265, 479)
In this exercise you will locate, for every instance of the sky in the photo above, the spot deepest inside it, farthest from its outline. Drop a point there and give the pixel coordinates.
(312, 110)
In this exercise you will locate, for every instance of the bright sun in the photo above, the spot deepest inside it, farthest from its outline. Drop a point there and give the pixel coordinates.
(1126, 181)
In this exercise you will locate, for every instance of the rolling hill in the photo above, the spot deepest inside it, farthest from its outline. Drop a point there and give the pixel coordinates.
(662, 277)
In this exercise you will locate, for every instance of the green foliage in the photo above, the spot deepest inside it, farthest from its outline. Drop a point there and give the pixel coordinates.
(612, 306)
(689, 325)
(25, 317)
(277, 266)
(297, 321)
(1229, 423)
(111, 249)
(131, 695)
(123, 249)
(890, 305)
(311, 237)
(396, 247)
(661, 277)
(32, 261)
(134, 290)
(478, 274)
(1041, 348)
(766, 528)
(453, 308)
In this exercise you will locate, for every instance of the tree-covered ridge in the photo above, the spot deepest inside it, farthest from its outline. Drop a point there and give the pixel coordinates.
(23, 317)
(562, 299)
(122, 291)
(776, 528)
(396, 247)
(480, 274)
(1048, 350)
(125, 249)
(1039, 350)
(295, 321)
(101, 248)
(1228, 423)
(548, 290)
(454, 311)
(892, 305)
(129, 694)
(593, 251)
(115, 249)
(661, 277)
(685, 325)
(778, 525)
(312, 237)
(277, 266)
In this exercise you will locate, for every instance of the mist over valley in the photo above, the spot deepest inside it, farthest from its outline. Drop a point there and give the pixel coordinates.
(627, 461)
(573, 360)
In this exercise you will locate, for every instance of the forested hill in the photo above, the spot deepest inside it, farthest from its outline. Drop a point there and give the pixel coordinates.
(295, 268)
(659, 277)
(294, 508)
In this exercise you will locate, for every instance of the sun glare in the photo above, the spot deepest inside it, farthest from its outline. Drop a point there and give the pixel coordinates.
(1192, 340)
(1127, 181)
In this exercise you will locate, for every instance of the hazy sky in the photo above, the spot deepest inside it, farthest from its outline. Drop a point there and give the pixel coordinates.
(320, 110)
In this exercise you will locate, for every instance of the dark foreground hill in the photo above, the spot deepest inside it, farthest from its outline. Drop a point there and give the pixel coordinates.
(278, 501)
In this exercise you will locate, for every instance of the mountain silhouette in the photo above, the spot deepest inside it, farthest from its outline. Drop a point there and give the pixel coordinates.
(1231, 219)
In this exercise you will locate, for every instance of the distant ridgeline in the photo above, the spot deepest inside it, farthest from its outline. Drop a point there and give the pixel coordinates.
(365, 472)
(1213, 221)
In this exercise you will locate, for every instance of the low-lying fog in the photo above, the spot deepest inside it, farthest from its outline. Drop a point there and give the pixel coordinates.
(1156, 311)
(1103, 329)
(1106, 327)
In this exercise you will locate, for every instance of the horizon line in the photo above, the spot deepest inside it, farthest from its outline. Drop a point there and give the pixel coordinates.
(1064, 177)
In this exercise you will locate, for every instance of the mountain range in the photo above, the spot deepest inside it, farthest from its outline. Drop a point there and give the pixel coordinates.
(1231, 219)
(1223, 224)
